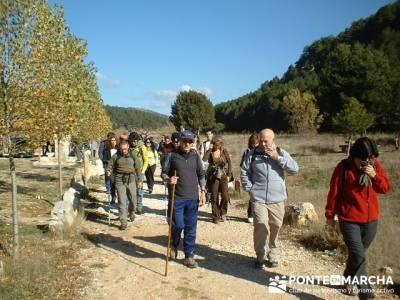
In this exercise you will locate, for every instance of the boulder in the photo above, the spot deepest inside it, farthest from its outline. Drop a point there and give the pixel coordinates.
(92, 168)
(300, 214)
(65, 212)
(62, 215)
(78, 184)
(72, 196)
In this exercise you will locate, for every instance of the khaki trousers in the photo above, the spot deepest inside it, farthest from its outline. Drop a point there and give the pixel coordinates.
(268, 219)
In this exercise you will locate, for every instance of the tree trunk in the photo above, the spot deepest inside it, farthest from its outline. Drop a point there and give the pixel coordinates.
(14, 206)
(60, 183)
(348, 145)
(85, 166)
(11, 152)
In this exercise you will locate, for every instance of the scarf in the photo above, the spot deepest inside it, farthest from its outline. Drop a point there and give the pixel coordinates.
(364, 179)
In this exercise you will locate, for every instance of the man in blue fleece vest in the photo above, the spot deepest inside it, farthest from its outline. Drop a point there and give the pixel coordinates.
(189, 193)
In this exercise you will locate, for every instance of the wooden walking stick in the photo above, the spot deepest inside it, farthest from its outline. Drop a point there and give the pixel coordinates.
(171, 213)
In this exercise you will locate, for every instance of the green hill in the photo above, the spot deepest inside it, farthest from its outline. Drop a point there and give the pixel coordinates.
(361, 62)
(130, 118)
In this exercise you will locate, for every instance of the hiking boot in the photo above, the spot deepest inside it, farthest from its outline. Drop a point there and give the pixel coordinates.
(123, 227)
(259, 264)
(131, 217)
(190, 263)
(272, 263)
(350, 290)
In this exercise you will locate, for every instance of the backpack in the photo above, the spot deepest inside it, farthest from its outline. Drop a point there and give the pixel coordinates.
(137, 154)
(119, 156)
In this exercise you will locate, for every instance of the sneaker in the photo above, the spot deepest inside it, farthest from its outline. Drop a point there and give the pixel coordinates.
(190, 263)
(223, 218)
(216, 221)
(259, 264)
(123, 227)
(250, 220)
(139, 211)
(150, 191)
(272, 264)
(173, 253)
(131, 217)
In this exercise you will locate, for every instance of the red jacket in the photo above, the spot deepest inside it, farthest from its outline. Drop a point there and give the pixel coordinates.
(356, 203)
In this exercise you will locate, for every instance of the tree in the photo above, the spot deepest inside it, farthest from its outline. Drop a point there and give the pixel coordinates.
(362, 62)
(135, 118)
(353, 119)
(301, 111)
(16, 92)
(358, 71)
(193, 110)
(45, 87)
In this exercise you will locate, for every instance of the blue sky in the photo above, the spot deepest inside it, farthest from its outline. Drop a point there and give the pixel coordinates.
(147, 51)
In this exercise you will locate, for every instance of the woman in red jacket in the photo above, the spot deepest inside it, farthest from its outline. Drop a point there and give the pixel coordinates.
(353, 199)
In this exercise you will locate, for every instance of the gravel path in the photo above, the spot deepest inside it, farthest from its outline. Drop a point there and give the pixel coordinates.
(130, 264)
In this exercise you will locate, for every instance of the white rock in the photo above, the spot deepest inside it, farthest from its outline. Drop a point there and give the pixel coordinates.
(62, 214)
(300, 214)
(72, 197)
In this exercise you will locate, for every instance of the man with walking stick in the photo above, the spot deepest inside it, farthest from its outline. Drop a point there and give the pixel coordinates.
(183, 171)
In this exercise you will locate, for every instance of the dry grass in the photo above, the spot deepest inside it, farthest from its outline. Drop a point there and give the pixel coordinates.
(48, 267)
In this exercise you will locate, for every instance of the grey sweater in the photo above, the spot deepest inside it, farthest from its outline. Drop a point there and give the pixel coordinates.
(121, 165)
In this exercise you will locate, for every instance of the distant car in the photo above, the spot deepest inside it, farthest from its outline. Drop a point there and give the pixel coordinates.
(20, 143)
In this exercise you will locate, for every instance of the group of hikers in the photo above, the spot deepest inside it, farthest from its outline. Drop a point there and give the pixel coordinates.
(196, 172)
(130, 159)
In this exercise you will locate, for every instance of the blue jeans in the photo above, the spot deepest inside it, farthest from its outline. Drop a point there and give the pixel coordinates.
(110, 187)
(139, 191)
(139, 197)
(185, 218)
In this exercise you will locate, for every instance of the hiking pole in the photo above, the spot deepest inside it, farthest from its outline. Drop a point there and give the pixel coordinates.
(170, 226)
(166, 201)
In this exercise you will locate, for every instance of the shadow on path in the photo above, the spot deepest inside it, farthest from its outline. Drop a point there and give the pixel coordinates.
(125, 249)
(228, 263)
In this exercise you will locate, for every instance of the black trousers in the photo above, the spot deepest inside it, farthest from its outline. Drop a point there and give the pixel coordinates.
(150, 176)
(357, 238)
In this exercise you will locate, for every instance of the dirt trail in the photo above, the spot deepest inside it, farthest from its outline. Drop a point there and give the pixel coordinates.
(130, 264)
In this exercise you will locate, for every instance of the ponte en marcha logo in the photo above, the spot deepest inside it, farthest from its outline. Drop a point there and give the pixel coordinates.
(279, 284)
